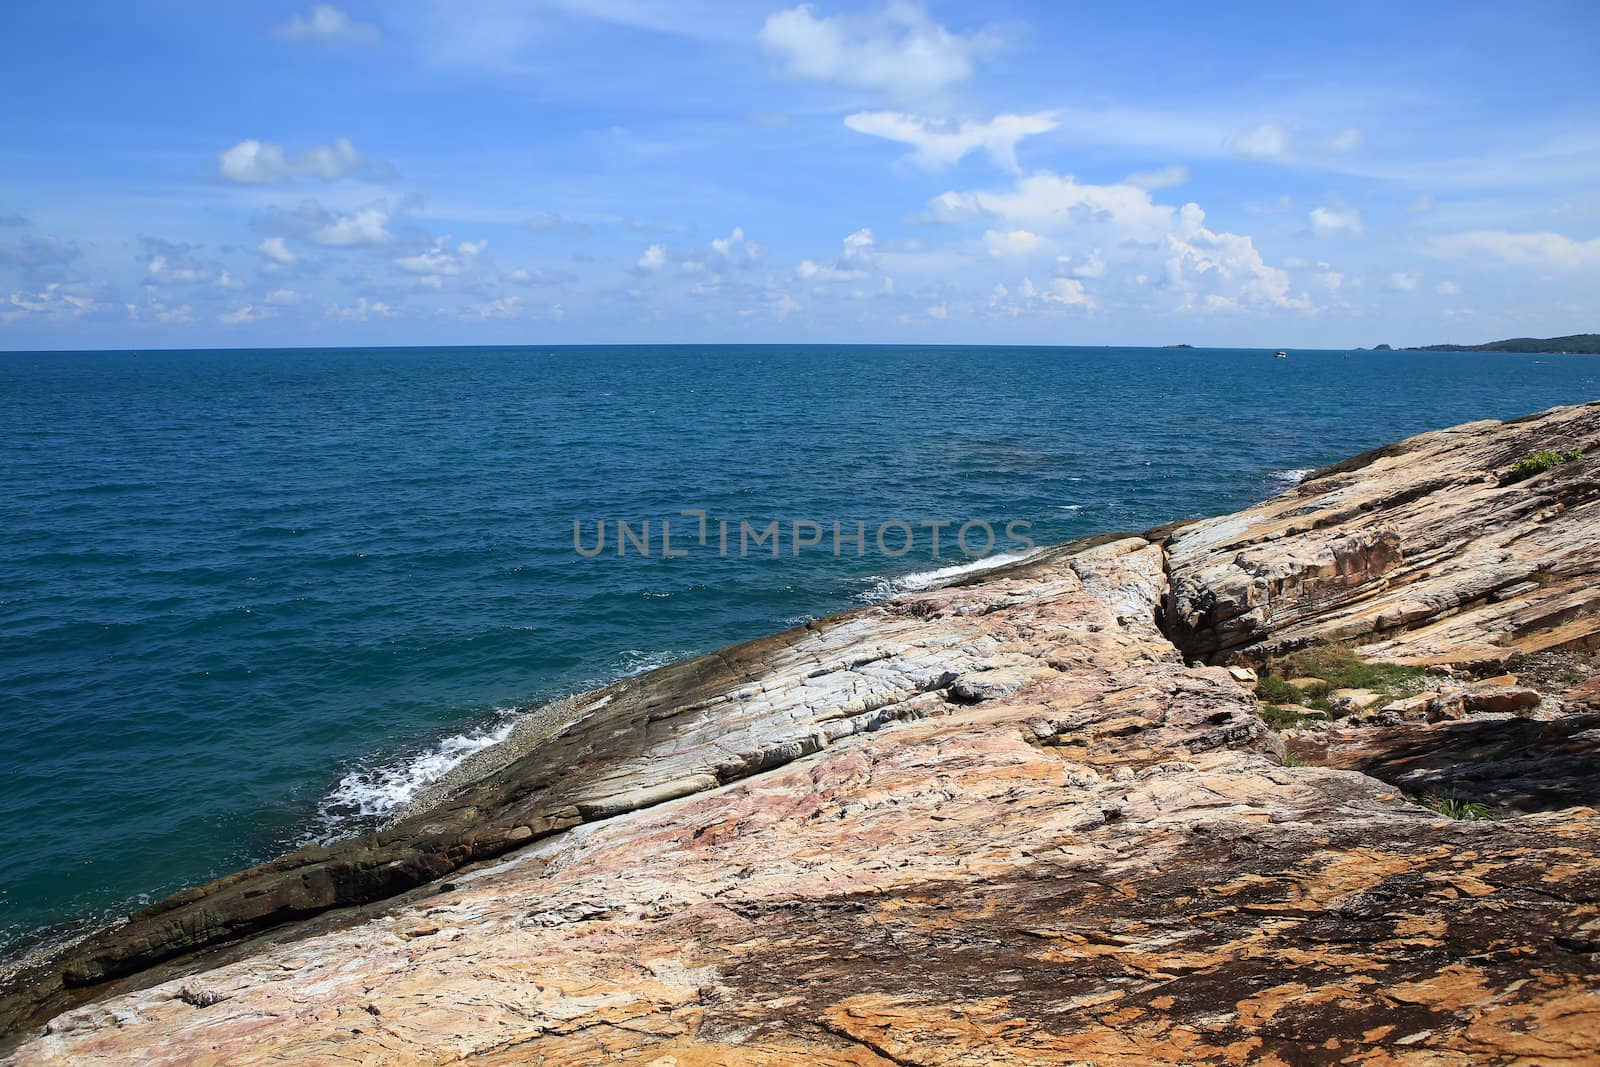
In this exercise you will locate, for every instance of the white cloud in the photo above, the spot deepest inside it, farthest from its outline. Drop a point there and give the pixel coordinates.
(1055, 293)
(1347, 141)
(368, 226)
(1047, 201)
(653, 259)
(1095, 267)
(175, 263)
(1006, 243)
(276, 251)
(506, 307)
(245, 313)
(1447, 289)
(1223, 271)
(1337, 221)
(255, 162)
(1267, 141)
(938, 311)
(1533, 249)
(441, 259)
(326, 23)
(1164, 178)
(856, 260)
(160, 312)
(283, 297)
(54, 301)
(1403, 281)
(900, 51)
(360, 311)
(937, 145)
(737, 248)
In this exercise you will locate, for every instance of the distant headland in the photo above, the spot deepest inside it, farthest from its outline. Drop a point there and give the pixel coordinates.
(1577, 343)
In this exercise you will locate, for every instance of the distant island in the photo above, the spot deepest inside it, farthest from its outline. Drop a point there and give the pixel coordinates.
(1587, 343)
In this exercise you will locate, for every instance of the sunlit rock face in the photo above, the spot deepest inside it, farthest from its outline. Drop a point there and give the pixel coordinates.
(999, 823)
(1424, 550)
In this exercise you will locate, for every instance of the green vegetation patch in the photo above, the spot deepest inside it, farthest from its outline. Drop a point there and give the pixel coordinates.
(1341, 668)
(1537, 463)
(1454, 807)
(1274, 690)
(1281, 718)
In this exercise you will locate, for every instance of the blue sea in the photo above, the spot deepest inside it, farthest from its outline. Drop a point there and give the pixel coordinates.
(254, 598)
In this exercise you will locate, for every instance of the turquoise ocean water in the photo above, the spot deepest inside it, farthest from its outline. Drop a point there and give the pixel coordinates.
(252, 598)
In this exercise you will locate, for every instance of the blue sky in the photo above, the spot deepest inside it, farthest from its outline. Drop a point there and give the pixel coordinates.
(556, 171)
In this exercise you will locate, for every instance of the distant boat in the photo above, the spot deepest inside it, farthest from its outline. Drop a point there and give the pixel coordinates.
(1280, 354)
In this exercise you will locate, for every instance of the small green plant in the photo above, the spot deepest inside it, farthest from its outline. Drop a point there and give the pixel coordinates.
(1454, 807)
(1281, 718)
(1539, 462)
(1570, 676)
(1341, 668)
(1291, 760)
(1275, 690)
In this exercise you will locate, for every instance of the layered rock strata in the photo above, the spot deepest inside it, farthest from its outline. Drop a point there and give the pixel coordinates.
(997, 823)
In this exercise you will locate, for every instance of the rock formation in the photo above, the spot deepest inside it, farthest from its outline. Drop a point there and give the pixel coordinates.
(1004, 822)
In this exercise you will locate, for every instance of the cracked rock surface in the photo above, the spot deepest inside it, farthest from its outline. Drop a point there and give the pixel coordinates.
(996, 823)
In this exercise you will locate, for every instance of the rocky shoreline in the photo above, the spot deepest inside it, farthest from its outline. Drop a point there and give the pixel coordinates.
(1077, 808)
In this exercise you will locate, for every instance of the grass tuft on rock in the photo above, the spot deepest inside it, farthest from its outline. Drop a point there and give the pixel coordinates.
(1282, 718)
(1274, 690)
(1341, 668)
(1537, 463)
(1454, 807)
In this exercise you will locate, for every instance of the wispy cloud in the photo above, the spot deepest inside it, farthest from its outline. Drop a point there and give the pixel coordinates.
(936, 145)
(326, 24)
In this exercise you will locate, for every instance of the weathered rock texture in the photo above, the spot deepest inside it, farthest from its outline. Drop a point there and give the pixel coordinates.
(1001, 823)
(1418, 549)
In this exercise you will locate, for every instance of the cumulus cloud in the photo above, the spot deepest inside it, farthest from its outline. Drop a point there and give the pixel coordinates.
(738, 249)
(1403, 281)
(254, 162)
(315, 224)
(524, 276)
(1223, 271)
(54, 301)
(245, 313)
(368, 226)
(506, 307)
(1337, 221)
(1164, 178)
(277, 251)
(1008, 243)
(1267, 141)
(936, 145)
(1044, 201)
(172, 263)
(326, 24)
(362, 310)
(1533, 249)
(1447, 289)
(653, 259)
(441, 259)
(856, 260)
(1055, 293)
(156, 311)
(899, 51)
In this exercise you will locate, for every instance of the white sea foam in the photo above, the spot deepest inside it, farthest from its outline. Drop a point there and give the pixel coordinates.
(1288, 479)
(885, 588)
(371, 793)
(374, 792)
